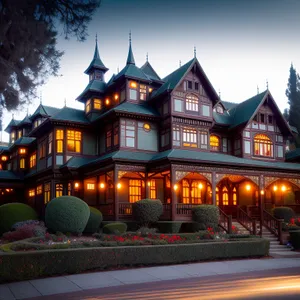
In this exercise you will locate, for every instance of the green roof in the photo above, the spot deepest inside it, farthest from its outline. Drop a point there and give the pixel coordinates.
(173, 79)
(224, 119)
(94, 86)
(24, 141)
(293, 154)
(96, 63)
(25, 121)
(132, 71)
(71, 114)
(9, 175)
(293, 128)
(243, 112)
(77, 162)
(130, 57)
(111, 80)
(44, 110)
(149, 71)
(12, 123)
(229, 105)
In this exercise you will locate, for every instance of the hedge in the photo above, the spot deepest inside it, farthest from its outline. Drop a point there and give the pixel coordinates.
(35, 264)
(12, 213)
(131, 225)
(94, 221)
(147, 211)
(116, 227)
(283, 212)
(295, 239)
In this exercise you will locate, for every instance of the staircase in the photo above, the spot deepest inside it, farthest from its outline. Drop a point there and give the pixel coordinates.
(241, 229)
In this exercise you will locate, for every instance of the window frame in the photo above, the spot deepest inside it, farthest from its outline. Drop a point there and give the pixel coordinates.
(217, 142)
(75, 137)
(263, 145)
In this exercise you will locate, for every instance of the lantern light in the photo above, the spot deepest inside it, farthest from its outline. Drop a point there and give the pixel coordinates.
(262, 192)
(102, 185)
(133, 84)
(275, 188)
(283, 188)
(119, 185)
(200, 186)
(116, 97)
(76, 185)
(175, 187)
(248, 187)
(107, 101)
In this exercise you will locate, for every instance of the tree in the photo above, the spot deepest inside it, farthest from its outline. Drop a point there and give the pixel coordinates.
(286, 114)
(28, 37)
(293, 95)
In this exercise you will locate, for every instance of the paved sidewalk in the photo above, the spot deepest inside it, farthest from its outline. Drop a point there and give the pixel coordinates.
(80, 282)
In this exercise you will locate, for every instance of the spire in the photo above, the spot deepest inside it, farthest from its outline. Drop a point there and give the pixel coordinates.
(66, 98)
(41, 98)
(179, 63)
(219, 93)
(13, 116)
(257, 90)
(147, 57)
(130, 58)
(267, 83)
(195, 52)
(96, 53)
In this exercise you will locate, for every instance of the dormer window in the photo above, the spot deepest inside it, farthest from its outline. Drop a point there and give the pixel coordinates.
(13, 137)
(220, 109)
(143, 91)
(97, 104)
(37, 123)
(19, 133)
(133, 90)
(88, 106)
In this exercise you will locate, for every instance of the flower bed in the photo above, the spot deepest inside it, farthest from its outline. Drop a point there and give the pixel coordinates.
(34, 264)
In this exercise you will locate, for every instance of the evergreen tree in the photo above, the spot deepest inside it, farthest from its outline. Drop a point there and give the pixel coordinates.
(286, 114)
(28, 33)
(293, 95)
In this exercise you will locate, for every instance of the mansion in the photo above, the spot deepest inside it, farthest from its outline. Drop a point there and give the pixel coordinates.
(141, 136)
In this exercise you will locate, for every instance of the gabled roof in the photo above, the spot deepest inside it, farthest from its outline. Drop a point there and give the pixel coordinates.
(93, 86)
(150, 72)
(96, 63)
(222, 119)
(23, 141)
(132, 71)
(12, 123)
(228, 105)
(70, 114)
(25, 121)
(43, 110)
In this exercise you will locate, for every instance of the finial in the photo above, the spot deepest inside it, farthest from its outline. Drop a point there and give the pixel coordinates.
(179, 63)
(257, 90)
(13, 116)
(130, 37)
(65, 102)
(118, 70)
(41, 98)
(267, 84)
(219, 93)
(195, 52)
(96, 40)
(147, 57)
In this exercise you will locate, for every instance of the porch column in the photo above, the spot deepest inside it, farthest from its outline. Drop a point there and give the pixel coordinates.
(173, 195)
(116, 192)
(213, 187)
(147, 188)
(261, 194)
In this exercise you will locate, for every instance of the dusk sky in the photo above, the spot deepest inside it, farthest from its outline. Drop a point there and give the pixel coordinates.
(240, 44)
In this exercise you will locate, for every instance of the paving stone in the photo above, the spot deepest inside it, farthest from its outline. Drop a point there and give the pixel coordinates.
(166, 273)
(5, 293)
(133, 276)
(23, 289)
(54, 285)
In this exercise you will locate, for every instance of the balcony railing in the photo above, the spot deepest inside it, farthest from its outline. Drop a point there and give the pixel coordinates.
(106, 209)
(125, 209)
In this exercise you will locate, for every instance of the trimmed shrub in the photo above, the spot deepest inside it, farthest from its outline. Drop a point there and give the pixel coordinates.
(29, 222)
(12, 213)
(94, 221)
(67, 214)
(115, 228)
(295, 238)
(206, 216)
(145, 231)
(147, 211)
(131, 225)
(283, 212)
(169, 226)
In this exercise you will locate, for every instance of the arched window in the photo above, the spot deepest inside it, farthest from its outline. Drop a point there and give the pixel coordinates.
(234, 196)
(191, 103)
(196, 192)
(185, 191)
(263, 146)
(225, 198)
(217, 196)
(214, 142)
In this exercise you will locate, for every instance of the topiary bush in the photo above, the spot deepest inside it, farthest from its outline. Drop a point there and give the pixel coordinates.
(115, 228)
(295, 239)
(169, 226)
(67, 214)
(283, 212)
(206, 216)
(94, 221)
(147, 211)
(12, 213)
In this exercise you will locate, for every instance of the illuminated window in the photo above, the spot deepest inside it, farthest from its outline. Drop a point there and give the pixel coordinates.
(47, 187)
(225, 198)
(90, 186)
(22, 151)
(32, 160)
(234, 196)
(88, 106)
(59, 141)
(143, 92)
(42, 150)
(73, 141)
(192, 103)
(217, 196)
(147, 127)
(12, 137)
(69, 189)
(97, 104)
(19, 133)
(50, 142)
(214, 142)
(31, 193)
(58, 190)
(196, 192)
(189, 137)
(152, 186)
(39, 190)
(209, 195)
(185, 192)
(135, 190)
(22, 163)
(133, 90)
(263, 146)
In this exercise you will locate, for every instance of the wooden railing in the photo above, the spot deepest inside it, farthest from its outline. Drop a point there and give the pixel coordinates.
(253, 211)
(246, 221)
(273, 224)
(166, 215)
(125, 209)
(106, 209)
(185, 209)
(225, 221)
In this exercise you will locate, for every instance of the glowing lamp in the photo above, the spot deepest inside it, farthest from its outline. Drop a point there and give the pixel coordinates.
(107, 101)
(4, 158)
(133, 84)
(175, 187)
(148, 183)
(102, 185)
(200, 186)
(116, 96)
(22, 151)
(119, 185)
(262, 192)
(275, 188)
(283, 188)
(150, 90)
(76, 185)
(248, 187)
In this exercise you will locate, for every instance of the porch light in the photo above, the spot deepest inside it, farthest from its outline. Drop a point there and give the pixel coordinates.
(22, 151)
(76, 185)
(107, 101)
(116, 96)
(248, 187)
(4, 158)
(275, 188)
(262, 192)
(150, 90)
(119, 185)
(175, 187)
(133, 84)
(149, 183)
(283, 188)
(102, 185)
(200, 186)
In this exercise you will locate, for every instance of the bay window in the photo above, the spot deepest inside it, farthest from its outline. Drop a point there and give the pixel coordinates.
(263, 145)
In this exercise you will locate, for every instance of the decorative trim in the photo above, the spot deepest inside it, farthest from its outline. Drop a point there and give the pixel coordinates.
(270, 179)
(221, 176)
(183, 170)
